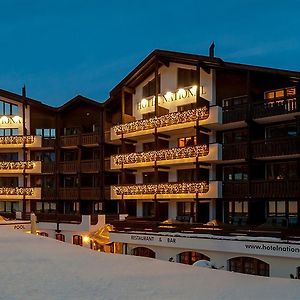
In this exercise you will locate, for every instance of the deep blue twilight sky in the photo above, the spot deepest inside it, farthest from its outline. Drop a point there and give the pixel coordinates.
(61, 48)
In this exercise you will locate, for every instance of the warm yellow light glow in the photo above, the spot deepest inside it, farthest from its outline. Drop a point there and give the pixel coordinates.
(194, 89)
(168, 95)
(16, 119)
(181, 92)
(4, 119)
(144, 103)
(86, 239)
(200, 113)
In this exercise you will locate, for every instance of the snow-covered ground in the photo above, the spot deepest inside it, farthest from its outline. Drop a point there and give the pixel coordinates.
(34, 267)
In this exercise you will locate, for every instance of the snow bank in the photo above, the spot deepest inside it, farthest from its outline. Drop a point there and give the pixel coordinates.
(34, 267)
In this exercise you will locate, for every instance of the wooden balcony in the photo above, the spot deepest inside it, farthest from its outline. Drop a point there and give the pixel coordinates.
(84, 139)
(68, 141)
(18, 141)
(48, 143)
(71, 193)
(171, 190)
(276, 188)
(235, 151)
(48, 167)
(262, 189)
(274, 108)
(68, 167)
(235, 189)
(90, 193)
(20, 193)
(90, 139)
(90, 166)
(170, 156)
(19, 167)
(49, 194)
(276, 147)
(237, 112)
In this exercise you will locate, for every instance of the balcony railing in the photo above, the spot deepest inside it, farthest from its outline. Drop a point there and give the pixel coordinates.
(69, 140)
(80, 139)
(262, 188)
(162, 188)
(49, 194)
(276, 107)
(71, 193)
(90, 193)
(48, 167)
(165, 120)
(68, 167)
(90, 139)
(90, 166)
(17, 193)
(160, 155)
(17, 139)
(276, 147)
(276, 188)
(234, 112)
(48, 142)
(235, 151)
(17, 165)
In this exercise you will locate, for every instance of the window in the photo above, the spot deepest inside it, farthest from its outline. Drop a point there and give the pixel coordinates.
(236, 136)
(149, 88)
(8, 109)
(71, 207)
(46, 207)
(9, 206)
(143, 251)
(60, 237)
(282, 170)
(12, 156)
(280, 94)
(184, 208)
(148, 146)
(235, 173)
(148, 209)
(187, 141)
(43, 234)
(77, 240)
(71, 131)
(238, 212)
(8, 181)
(235, 102)
(8, 131)
(282, 213)
(149, 177)
(43, 156)
(186, 107)
(98, 207)
(69, 181)
(249, 265)
(188, 175)
(281, 131)
(190, 257)
(186, 77)
(46, 132)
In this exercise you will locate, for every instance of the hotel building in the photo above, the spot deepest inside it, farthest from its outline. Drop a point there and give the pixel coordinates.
(202, 156)
(51, 158)
(204, 141)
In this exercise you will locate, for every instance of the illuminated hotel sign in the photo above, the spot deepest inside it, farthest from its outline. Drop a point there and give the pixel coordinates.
(9, 120)
(169, 97)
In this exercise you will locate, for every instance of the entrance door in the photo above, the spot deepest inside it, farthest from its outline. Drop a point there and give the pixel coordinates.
(203, 212)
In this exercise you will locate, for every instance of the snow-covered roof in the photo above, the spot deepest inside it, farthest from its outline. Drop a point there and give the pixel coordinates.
(35, 267)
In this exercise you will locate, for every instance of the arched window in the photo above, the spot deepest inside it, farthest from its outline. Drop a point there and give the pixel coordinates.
(189, 257)
(43, 234)
(143, 251)
(249, 265)
(60, 237)
(77, 240)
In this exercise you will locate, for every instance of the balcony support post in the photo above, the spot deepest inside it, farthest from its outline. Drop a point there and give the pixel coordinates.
(157, 85)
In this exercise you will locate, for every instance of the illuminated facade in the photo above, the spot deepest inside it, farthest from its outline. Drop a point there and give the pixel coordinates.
(50, 158)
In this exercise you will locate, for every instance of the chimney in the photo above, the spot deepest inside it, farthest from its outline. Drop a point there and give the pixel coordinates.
(212, 50)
